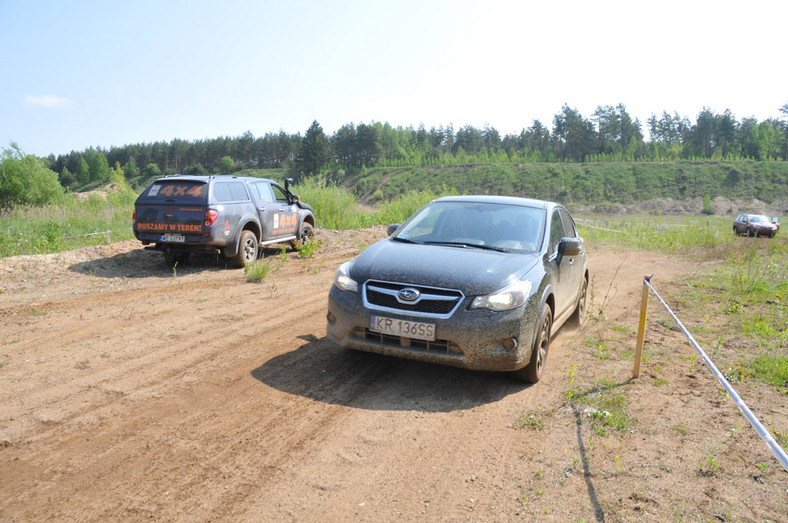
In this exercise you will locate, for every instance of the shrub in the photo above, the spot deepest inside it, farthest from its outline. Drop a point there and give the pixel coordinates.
(708, 207)
(24, 180)
(257, 271)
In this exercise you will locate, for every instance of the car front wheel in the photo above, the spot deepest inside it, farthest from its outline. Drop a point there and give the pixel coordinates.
(306, 235)
(533, 372)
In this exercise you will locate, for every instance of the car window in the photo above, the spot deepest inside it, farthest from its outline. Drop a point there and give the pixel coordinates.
(570, 229)
(230, 191)
(279, 194)
(759, 219)
(556, 231)
(264, 192)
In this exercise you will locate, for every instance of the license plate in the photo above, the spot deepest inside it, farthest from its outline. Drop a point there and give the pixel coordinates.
(409, 329)
(175, 238)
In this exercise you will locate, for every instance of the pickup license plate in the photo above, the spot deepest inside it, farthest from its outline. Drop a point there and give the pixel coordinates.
(175, 238)
(409, 329)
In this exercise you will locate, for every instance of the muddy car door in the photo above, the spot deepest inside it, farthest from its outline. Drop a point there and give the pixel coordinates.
(277, 216)
(286, 217)
(266, 208)
(564, 276)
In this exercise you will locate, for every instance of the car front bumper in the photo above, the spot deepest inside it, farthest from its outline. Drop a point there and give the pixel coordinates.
(764, 231)
(471, 339)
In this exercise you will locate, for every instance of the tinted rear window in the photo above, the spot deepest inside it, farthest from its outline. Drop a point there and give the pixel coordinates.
(229, 191)
(177, 190)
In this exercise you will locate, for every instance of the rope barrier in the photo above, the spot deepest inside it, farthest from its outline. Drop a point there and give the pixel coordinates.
(775, 447)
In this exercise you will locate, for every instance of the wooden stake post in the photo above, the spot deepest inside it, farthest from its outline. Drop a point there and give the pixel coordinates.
(641, 326)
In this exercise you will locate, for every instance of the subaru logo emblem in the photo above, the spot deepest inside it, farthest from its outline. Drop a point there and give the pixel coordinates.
(408, 294)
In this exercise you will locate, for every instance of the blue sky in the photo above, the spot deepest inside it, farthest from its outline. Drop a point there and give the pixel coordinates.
(85, 74)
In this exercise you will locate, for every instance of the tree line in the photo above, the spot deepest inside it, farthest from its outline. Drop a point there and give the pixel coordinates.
(610, 134)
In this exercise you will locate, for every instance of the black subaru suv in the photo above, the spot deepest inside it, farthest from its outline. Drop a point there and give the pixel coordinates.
(234, 215)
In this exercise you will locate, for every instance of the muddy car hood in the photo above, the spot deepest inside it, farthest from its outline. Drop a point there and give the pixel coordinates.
(474, 271)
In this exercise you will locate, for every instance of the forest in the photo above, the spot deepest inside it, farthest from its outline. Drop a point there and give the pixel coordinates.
(603, 158)
(609, 135)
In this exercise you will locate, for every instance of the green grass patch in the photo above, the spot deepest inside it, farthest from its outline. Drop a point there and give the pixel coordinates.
(334, 207)
(668, 234)
(530, 420)
(73, 223)
(257, 271)
(80, 221)
(605, 406)
(745, 297)
(771, 369)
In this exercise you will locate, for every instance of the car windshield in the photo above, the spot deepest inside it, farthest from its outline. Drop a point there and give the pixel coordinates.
(472, 224)
(759, 219)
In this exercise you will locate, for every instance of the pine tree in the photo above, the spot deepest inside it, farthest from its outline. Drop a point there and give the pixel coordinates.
(315, 150)
(83, 171)
(130, 168)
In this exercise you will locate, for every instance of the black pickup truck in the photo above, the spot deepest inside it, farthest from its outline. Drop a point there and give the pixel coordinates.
(234, 215)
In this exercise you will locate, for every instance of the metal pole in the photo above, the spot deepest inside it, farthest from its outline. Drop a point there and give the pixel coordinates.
(641, 326)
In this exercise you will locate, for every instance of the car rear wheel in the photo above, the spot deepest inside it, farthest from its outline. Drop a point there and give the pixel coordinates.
(247, 250)
(533, 372)
(577, 317)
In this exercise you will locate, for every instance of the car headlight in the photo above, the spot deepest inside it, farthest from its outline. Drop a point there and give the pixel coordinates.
(342, 279)
(510, 297)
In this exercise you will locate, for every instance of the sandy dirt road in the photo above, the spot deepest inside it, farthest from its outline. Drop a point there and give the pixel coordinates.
(134, 392)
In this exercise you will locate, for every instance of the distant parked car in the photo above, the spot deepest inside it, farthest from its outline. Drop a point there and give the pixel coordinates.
(480, 282)
(755, 225)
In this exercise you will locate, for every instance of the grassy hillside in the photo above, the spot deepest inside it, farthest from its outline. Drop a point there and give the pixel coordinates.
(622, 182)
(341, 198)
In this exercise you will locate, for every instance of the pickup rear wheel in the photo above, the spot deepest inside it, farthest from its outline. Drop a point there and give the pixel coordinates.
(247, 249)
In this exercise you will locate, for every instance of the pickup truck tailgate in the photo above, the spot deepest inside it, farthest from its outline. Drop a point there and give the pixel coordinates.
(171, 212)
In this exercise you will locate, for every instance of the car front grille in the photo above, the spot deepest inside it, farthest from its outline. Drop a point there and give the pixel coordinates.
(397, 342)
(432, 302)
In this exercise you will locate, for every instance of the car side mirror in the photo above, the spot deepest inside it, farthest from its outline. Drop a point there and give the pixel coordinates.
(570, 246)
(392, 229)
(294, 198)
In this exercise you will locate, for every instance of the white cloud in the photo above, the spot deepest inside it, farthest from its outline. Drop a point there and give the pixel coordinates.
(48, 101)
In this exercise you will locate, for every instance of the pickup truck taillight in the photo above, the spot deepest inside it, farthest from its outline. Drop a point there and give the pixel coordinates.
(210, 217)
(134, 218)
